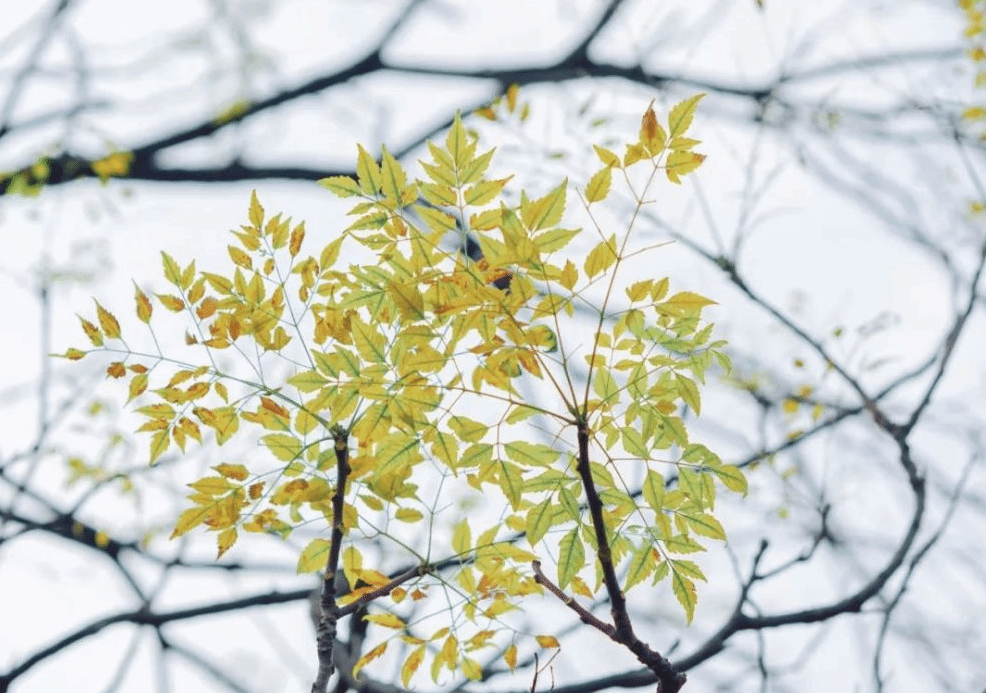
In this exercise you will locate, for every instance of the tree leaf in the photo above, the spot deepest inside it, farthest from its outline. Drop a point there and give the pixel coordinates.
(680, 118)
(571, 557)
(283, 446)
(314, 556)
(598, 186)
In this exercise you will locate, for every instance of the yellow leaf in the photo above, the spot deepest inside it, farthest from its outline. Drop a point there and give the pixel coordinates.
(256, 215)
(225, 541)
(393, 177)
(343, 186)
(239, 257)
(546, 211)
(189, 520)
(172, 272)
(160, 442)
(510, 656)
(598, 186)
(411, 664)
(144, 308)
(606, 156)
(314, 556)
(138, 384)
(172, 303)
(648, 125)
(297, 238)
(547, 640)
(73, 354)
(408, 515)
(283, 446)
(684, 590)
(601, 257)
(92, 332)
(471, 668)
(108, 323)
(680, 118)
(680, 163)
(410, 303)
(237, 472)
(385, 620)
(369, 657)
(367, 172)
(352, 565)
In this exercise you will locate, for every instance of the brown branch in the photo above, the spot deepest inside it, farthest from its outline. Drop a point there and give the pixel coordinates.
(326, 631)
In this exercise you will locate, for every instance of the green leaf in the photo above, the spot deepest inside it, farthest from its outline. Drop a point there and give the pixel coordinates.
(283, 446)
(307, 381)
(641, 565)
(688, 391)
(604, 385)
(633, 442)
(511, 483)
(531, 454)
(707, 526)
(467, 429)
(684, 590)
(653, 490)
(539, 521)
(571, 557)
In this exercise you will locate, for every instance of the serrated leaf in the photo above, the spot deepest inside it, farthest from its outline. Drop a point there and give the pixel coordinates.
(172, 272)
(283, 446)
(571, 557)
(642, 564)
(598, 186)
(107, 321)
(314, 556)
(385, 620)
(343, 186)
(604, 385)
(367, 172)
(411, 664)
(633, 442)
(256, 214)
(554, 239)
(601, 257)
(225, 541)
(547, 641)
(160, 442)
(684, 590)
(732, 477)
(539, 520)
(375, 653)
(653, 490)
(606, 156)
(138, 384)
(467, 429)
(707, 526)
(680, 118)
(545, 211)
(189, 520)
(484, 192)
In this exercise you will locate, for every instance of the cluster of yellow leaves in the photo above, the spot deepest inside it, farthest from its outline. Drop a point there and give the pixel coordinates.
(388, 348)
